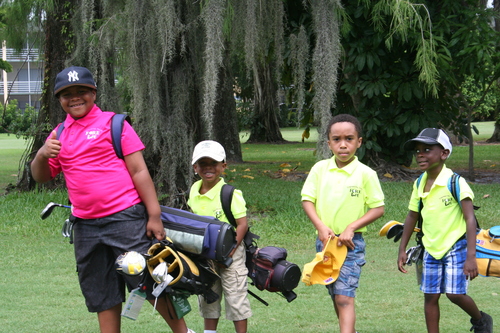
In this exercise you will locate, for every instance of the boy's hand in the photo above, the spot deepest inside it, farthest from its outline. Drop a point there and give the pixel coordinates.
(346, 238)
(52, 147)
(154, 229)
(470, 268)
(402, 258)
(324, 234)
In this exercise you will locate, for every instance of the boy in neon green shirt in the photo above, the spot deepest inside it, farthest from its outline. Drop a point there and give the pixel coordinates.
(204, 199)
(341, 196)
(449, 232)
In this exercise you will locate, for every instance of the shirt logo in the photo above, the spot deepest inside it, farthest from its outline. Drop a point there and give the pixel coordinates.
(447, 201)
(218, 213)
(92, 133)
(73, 76)
(355, 192)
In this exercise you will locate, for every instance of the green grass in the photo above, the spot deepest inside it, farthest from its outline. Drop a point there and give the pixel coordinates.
(11, 149)
(39, 289)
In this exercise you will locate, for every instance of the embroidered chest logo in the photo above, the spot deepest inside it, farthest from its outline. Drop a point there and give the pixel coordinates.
(355, 192)
(447, 201)
(73, 76)
(93, 133)
(218, 213)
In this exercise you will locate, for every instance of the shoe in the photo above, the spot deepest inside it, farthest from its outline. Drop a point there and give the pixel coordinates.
(483, 325)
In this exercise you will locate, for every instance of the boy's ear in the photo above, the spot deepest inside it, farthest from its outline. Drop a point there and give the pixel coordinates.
(360, 141)
(445, 154)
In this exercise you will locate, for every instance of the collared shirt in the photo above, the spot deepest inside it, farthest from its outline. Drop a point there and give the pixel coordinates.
(209, 204)
(342, 195)
(98, 181)
(443, 220)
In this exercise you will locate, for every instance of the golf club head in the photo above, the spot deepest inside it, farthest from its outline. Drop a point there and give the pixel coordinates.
(47, 210)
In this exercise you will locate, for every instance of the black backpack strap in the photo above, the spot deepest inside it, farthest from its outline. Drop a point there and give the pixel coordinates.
(420, 220)
(116, 132)
(226, 197)
(59, 130)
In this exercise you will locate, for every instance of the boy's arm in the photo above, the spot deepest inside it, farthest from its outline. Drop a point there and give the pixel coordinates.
(371, 215)
(40, 169)
(241, 230)
(470, 266)
(324, 233)
(145, 187)
(409, 225)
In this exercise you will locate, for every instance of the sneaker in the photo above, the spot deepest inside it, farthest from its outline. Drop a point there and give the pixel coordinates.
(483, 325)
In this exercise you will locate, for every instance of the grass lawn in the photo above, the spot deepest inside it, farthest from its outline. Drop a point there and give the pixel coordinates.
(39, 290)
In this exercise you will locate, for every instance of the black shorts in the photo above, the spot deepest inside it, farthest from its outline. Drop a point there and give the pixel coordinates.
(98, 242)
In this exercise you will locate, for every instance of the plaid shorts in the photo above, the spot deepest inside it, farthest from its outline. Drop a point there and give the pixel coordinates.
(446, 275)
(348, 280)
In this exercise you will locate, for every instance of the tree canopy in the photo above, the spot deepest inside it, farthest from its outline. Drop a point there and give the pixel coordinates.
(176, 65)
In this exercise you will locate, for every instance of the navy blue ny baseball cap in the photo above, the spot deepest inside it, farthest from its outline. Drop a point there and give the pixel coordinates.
(74, 76)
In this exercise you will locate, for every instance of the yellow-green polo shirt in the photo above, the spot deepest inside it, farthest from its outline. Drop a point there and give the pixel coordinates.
(443, 220)
(209, 204)
(342, 195)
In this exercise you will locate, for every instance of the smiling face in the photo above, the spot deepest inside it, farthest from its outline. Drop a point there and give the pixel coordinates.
(77, 101)
(343, 141)
(430, 158)
(209, 170)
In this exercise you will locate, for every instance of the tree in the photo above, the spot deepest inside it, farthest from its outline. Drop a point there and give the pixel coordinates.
(495, 137)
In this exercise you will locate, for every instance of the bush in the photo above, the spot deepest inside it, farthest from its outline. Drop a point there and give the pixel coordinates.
(16, 121)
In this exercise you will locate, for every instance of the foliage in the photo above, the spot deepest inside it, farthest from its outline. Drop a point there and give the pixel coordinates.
(17, 121)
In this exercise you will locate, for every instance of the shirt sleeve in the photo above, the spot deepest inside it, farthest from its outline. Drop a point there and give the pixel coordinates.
(375, 196)
(465, 190)
(309, 190)
(238, 205)
(414, 199)
(131, 142)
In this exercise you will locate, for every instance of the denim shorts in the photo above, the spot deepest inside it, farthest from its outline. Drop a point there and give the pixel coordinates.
(348, 280)
(98, 242)
(446, 275)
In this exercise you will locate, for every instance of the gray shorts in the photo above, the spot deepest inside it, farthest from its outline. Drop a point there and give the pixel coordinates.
(98, 242)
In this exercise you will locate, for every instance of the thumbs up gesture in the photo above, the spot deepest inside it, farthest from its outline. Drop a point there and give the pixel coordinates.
(52, 146)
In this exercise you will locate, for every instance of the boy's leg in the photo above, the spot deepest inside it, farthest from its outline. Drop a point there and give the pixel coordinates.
(240, 326)
(432, 315)
(167, 311)
(211, 323)
(466, 303)
(110, 319)
(344, 306)
(343, 290)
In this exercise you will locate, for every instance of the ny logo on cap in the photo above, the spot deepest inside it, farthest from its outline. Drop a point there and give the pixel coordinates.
(73, 76)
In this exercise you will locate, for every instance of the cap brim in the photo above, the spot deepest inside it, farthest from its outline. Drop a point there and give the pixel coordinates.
(386, 227)
(72, 85)
(410, 144)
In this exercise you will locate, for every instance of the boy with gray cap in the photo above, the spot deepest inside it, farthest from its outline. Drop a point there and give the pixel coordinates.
(449, 232)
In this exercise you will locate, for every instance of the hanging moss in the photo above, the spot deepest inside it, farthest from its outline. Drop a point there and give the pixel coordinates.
(326, 58)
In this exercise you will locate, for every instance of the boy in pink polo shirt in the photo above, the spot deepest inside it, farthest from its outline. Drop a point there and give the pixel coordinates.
(114, 200)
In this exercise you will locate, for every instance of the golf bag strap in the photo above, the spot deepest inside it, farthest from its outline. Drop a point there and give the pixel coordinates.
(117, 122)
(226, 197)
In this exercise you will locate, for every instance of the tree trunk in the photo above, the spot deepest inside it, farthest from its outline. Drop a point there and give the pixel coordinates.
(265, 125)
(225, 118)
(58, 43)
(495, 137)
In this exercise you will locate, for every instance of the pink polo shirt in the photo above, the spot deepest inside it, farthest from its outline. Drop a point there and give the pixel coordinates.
(98, 181)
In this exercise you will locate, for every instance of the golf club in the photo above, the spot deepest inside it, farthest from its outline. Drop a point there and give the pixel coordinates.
(49, 208)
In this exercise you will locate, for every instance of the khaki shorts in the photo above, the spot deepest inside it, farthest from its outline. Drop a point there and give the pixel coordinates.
(233, 286)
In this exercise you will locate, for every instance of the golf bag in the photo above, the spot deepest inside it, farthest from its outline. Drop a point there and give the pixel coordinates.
(488, 251)
(267, 267)
(199, 235)
(195, 277)
(269, 270)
